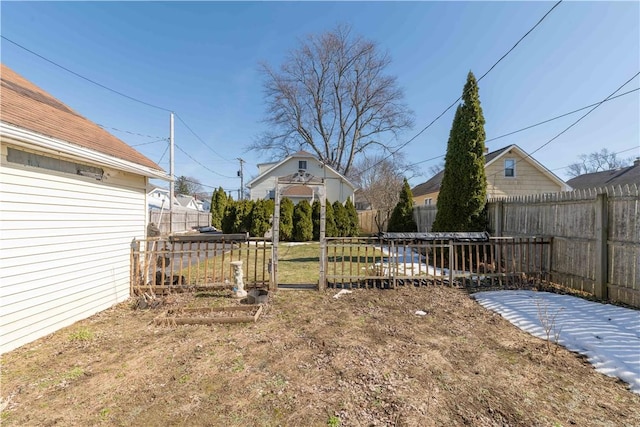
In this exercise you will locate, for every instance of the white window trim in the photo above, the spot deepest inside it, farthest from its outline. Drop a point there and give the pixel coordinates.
(305, 165)
(514, 168)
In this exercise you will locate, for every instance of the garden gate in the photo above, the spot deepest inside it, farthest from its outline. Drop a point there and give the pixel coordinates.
(318, 188)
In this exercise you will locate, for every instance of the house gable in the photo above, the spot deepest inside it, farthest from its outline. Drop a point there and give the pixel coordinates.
(529, 177)
(338, 187)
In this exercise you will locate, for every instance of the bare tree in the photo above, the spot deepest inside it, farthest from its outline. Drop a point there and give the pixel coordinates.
(597, 161)
(331, 96)
(379, 181)
(435, 169)
(187, 185)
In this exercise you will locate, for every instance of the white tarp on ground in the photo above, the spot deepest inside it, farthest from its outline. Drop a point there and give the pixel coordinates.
(608, 335)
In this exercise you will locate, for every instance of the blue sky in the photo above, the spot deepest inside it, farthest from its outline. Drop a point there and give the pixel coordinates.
(201, 61)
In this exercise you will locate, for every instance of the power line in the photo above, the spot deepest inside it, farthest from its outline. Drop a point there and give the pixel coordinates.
(126, 96)
(537, 124)
(210, 186)
(163, 153)
(562, 115)
(150, 142)
(613, 154)
(210, 170)
(584, 115)
(576, 122)
(85, 78)
(131, 133)
(200, 139)
(460, 97)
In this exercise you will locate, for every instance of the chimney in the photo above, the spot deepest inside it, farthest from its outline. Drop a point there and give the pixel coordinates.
(486, 149)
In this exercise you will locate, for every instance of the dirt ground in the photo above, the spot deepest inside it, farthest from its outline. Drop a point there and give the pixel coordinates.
(364, 359)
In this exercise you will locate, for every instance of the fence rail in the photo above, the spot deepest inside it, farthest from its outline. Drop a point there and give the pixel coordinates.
(164, 265)
(373, 262)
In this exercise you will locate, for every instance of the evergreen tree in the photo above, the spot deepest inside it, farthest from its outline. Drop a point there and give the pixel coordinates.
(229, 216)
(242, 220)
(402, 216)
(218, 206)
(352, 215)
(315, 215)
(341, 218)
(286, 219)
(259, 218)
(302, 225)
(463, 191)
(330, 225)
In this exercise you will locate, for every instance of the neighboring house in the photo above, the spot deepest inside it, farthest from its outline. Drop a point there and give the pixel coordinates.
(67, 256)
(158, 198)
(187, 202)
(622, 176)
(510, 171)
(361, 203)
(305, 167)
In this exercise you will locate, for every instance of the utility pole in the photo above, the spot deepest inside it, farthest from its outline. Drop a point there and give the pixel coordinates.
(171, 172)
(241, 175)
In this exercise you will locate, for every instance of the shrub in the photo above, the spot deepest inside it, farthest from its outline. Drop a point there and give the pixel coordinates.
(352, 216)
(341, 218)
(402, 215)
(286, 219)
(302, 225)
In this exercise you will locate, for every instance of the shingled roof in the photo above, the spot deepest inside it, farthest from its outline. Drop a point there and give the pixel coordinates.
(623, 176)
(26, 106)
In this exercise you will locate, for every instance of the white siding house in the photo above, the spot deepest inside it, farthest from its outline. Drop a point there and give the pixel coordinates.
(72, 198)
(263, 186)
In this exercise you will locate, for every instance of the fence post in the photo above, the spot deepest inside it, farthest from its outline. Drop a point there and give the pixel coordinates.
(451, 263)
(601, 255)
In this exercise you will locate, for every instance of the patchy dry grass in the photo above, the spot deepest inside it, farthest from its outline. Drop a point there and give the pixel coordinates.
(311, 360)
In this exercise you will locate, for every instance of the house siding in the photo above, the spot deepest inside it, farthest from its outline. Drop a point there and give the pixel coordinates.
(419, 200)
(337, 189)
(528, 178)
(65, 247)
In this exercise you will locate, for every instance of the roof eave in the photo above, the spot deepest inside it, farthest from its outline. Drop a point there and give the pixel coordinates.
(27, 138)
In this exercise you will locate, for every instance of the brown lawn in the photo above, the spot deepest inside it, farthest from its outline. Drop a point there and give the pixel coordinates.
(311, 360)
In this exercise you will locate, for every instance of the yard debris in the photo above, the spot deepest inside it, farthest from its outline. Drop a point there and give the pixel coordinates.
(146, 301)
(342, 292)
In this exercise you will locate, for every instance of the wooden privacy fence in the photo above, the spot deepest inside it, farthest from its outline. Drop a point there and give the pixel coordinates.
(375, 262)
(372, 221)
(596, 237)
(424, 216)
(182, 220)
(164, 265)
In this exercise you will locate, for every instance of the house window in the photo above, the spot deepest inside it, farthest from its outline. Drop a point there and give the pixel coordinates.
(302, 164)
(427, 202)
(510, 168)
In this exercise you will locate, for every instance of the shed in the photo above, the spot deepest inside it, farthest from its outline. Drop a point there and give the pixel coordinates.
(72, 198)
